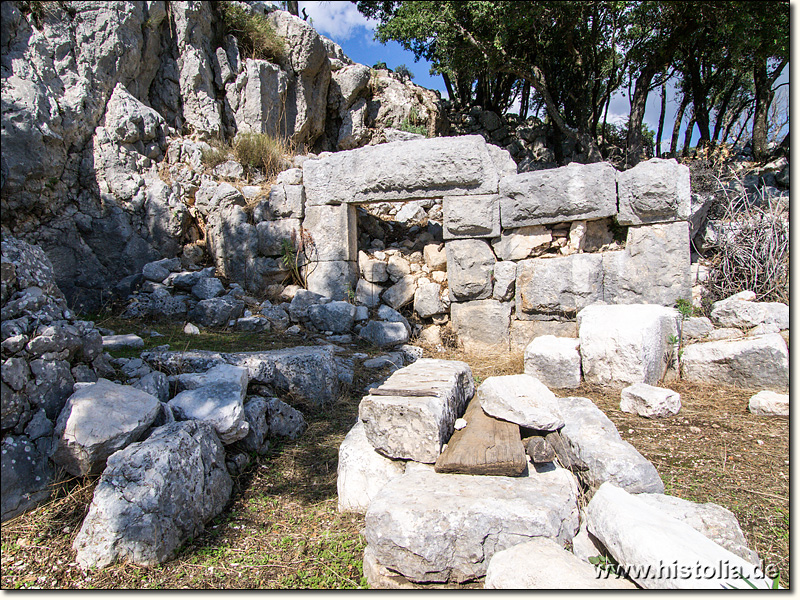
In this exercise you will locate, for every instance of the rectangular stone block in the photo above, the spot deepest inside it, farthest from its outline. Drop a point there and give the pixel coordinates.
(333, 231)
(654, 191)
(411, 415)
(272, 234)
(470, 265)
(482, 324)
(408, 170)
(440, 527)
(558, 286)
(624, 344)
(471, 216)
(522, 333)
(571, 193)
(654, 267)
(335, 279)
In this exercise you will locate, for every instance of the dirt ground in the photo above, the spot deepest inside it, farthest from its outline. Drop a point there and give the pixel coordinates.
(282, 530)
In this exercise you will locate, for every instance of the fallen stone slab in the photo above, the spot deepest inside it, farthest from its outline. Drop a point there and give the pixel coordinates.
(218, 400)
(571, 193)
(769, 403)
(433, 527)
(284, 420)
(625, 343)
(598, 451)
(751, 363)
(411, 415)
(744, 314)
(543, 564)
(660, 551)
(153, 496)
(521, 399)
(654, 191)
(257, 438)
(484, 446)
(650, 401)
(362, 472)
(712, 520)
(97, 421)
(384, 334)
(119, 342)
(554, 361)
(337, 316)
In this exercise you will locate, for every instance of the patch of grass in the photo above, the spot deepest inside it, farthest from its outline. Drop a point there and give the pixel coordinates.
(261, 151)
(257, 38)
(215, 156)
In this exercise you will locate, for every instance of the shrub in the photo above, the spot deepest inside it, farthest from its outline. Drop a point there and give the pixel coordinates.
(260, 151)
(414, 123)
(257, 38)
(751, 249)
(216, 155)
(403, 71)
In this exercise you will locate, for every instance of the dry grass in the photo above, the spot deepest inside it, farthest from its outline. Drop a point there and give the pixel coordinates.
(281, 528)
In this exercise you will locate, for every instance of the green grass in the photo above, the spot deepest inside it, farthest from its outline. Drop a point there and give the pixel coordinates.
(257, 38)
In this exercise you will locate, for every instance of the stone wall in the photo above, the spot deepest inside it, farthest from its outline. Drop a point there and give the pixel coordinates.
(525, 251)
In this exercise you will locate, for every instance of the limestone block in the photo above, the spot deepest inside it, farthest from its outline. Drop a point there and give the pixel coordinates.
(333, 231)
(600, 454)
(520, 399)
(505, 278)
(337, 316)
(696, 327)
(523, 333)
(416, 427)
(769, 403)
(654, 267)
(636, 533)
(362, 472)
(571, 193)
(543, 564)
(373, 270)
(650, 401)
(404, 170)
(482, 324)
(558, 286)
(97, 421)
(384, 334)
(440, 527)
(744, 314)
(517, 244)
(435, 257)
(654, 191)
(273, 234)
(334, 279)
(555, 361)
(625, 343)
(368, 294)
(470, 264)
(471, 216)
(428, 300)
(401, 293)
(111, 343)
(759, 363)
(207, 288)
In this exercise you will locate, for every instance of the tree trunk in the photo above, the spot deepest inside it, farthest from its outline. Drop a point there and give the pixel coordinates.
(687, 138)
(676, 128)
(292, 7)
(762, 81)
(661, 116)
(635, 143)
(523, 103)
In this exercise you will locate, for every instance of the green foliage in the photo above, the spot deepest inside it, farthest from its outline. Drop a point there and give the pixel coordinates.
(379, 65)
(404, 71)
(261, 151)
(215, 156)
(256, 36)
(413, 123)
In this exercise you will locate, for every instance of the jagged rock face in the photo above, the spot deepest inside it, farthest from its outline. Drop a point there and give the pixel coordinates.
(96, 96)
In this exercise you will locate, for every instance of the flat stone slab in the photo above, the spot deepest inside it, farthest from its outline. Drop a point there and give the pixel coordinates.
(625, 343)
(650, 401)
(521, 399)
(97, 421)
(660, 551)
(571, 193)
(485, 446)
(308, 372)
(438, 527)
(543, 564)
(756, 363)
(769, 403)
(411, 415)
(362, 472)
(598, 451)
(745, 314)
(118, 342)
(423, 168)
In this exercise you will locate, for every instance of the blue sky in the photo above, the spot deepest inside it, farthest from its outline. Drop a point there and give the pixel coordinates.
(341, 22)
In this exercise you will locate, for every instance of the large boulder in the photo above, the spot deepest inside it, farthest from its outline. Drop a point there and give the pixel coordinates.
(660, 551)
(411, 415)
(362, 472)
(154, 495)
(625, 343)
(439, 527)
(759, 363)
(599, 453)
(571, 193)
(97, 421)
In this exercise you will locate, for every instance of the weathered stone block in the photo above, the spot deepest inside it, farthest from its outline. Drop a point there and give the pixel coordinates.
(470, 264)
(334, 279)
(558, 286)
(471, 216)
(273, 234)
(555, 361)
(333, 231)
(654, 191)
(517, 244)
(482, 324)
(571, 193)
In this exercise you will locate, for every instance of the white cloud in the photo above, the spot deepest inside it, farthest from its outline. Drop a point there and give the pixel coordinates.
(338, 20)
